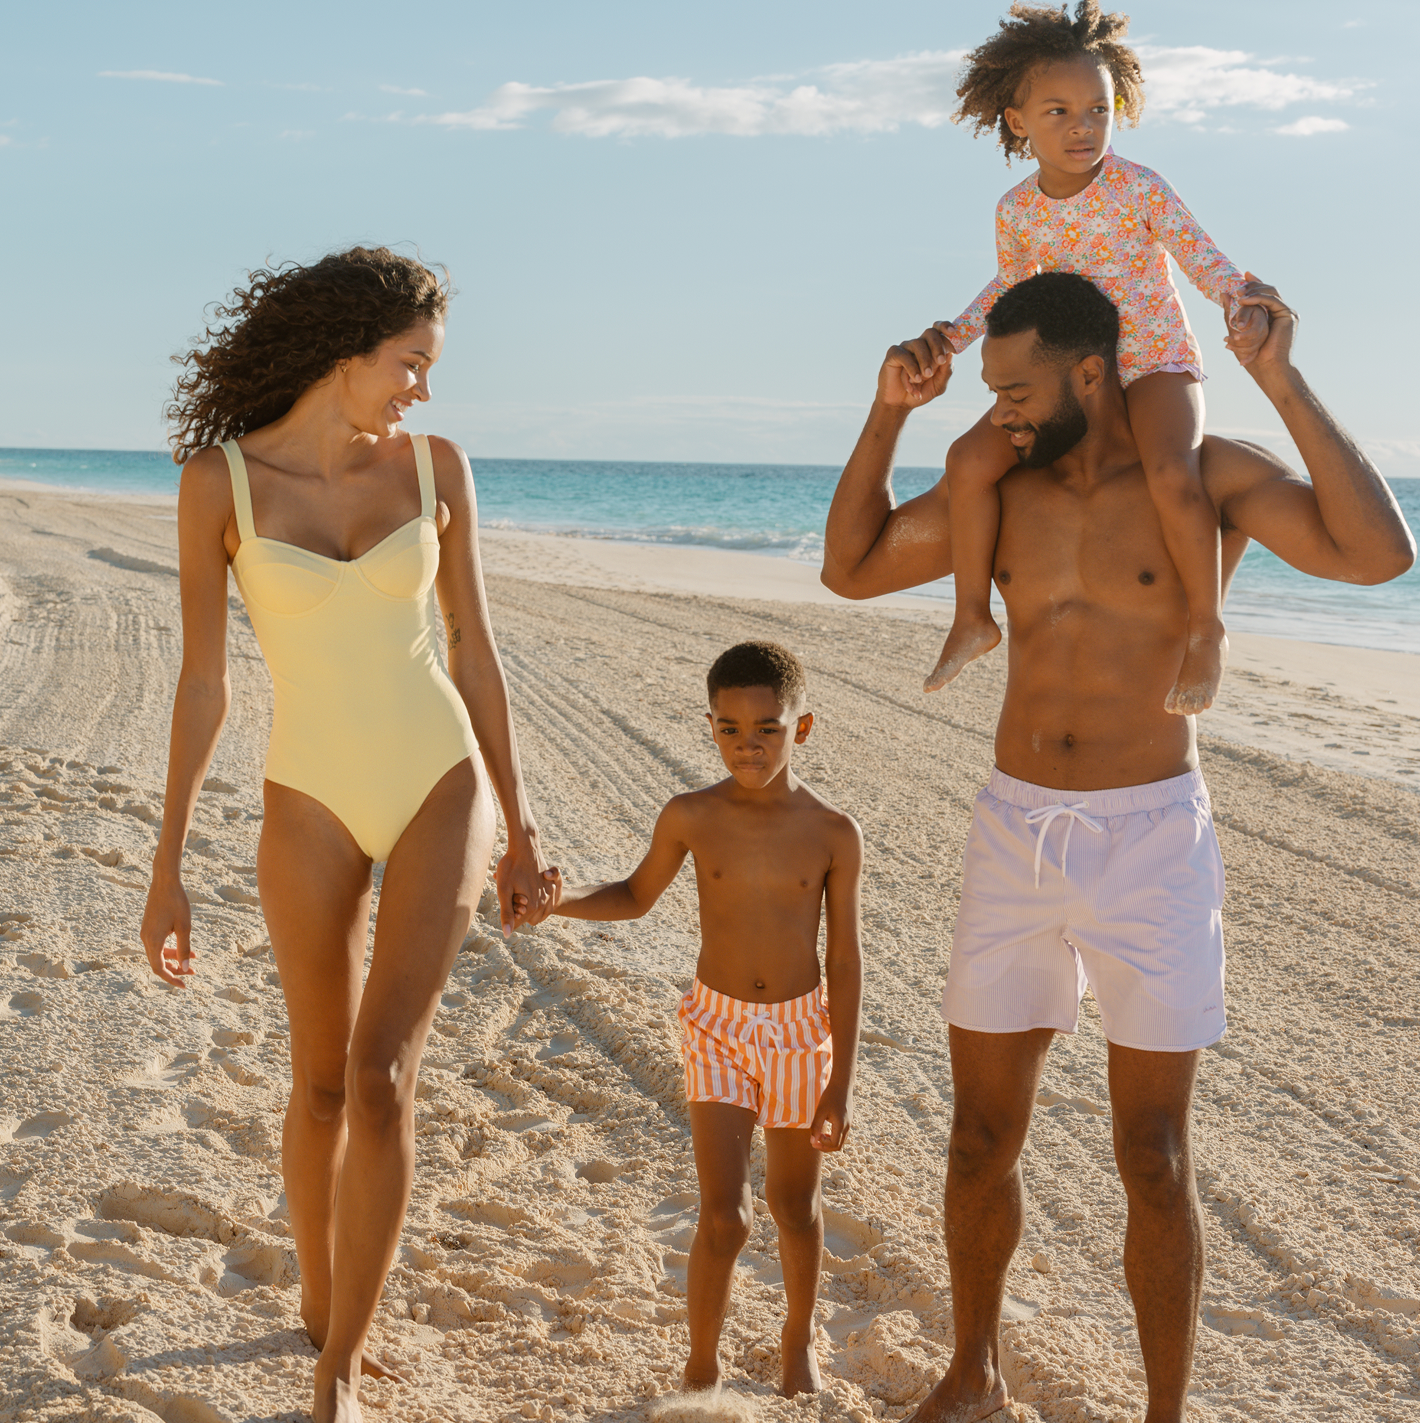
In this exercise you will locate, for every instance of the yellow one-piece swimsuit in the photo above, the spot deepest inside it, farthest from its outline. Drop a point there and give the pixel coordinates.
(366, 718)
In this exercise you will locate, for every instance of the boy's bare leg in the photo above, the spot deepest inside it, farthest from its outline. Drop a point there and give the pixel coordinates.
(995, 1077)
(791, 1187)
(721, 1135)
(975, 463)
(1151, 1096)
(1166, 416)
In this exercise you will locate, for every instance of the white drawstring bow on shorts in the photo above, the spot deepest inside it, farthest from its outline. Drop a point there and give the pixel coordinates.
(1045, 816)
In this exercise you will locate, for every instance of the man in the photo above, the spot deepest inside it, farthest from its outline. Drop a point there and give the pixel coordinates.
(1092, 855)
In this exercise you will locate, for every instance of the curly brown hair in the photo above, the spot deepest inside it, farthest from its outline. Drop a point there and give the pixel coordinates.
(997, 72)
(285, 331)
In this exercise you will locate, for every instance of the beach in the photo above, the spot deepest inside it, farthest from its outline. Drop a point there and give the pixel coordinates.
(146, 1266)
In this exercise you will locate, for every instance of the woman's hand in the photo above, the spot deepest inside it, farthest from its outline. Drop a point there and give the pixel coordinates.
(525, 896)
(168, 914)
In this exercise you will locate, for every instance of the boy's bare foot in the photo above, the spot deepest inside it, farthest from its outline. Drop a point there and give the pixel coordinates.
(369, 1365)
(1202, 672)
(966, 641)
(957, 1397)
(336, 1398)
(798, 1366)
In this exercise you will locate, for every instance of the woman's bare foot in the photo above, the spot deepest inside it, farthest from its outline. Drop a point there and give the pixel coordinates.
(798, 1364)
(968, 639)
(369, 1365)
(337, 1397)
(1202, 672)
(957, 1398)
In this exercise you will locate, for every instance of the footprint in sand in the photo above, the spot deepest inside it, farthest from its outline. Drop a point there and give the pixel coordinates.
(42, 1124)
(1241, 1322)
(23, 1004)
(43, 967)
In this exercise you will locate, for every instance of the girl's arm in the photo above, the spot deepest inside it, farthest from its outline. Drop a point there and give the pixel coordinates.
(477, 672)
(1178, 231)
(1013, 264)
(629, 899)
(199, 707)
(843, 967)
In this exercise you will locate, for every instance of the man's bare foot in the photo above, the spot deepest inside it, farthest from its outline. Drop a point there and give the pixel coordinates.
(967, 640)
(798, 1366)
(699, 1382)
(1202, 672)
(369, 1365)
(957, 1397)
(335, 1398)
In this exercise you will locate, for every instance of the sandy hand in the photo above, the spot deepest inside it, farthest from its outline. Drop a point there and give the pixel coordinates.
(831, 1123)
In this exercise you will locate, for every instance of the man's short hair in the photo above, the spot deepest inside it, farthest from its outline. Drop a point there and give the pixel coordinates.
(760, 664)
(1070, 316)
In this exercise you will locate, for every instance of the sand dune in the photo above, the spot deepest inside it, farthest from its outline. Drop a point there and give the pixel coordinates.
(146, 1268)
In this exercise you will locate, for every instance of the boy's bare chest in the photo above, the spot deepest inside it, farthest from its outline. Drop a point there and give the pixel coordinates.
(761, 861)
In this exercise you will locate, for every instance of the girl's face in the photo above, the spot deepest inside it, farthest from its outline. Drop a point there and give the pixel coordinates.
(1067, 114)
(376, 390)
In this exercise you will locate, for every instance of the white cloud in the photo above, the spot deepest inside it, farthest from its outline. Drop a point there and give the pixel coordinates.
(159, 74)
(1312, 124)
(395, 89)
(1184, 84)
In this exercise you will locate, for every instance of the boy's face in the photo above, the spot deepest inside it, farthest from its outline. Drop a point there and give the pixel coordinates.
(755, 733)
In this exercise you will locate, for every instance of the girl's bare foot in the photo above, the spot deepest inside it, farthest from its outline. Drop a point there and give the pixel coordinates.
(798, 1365)
(1202, 672)
(369, 1365)
(968, 639)
(336, 1398)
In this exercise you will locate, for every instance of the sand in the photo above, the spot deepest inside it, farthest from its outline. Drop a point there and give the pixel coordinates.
(146, 1268)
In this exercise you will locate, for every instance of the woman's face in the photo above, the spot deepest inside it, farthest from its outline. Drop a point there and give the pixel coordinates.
(379, 388)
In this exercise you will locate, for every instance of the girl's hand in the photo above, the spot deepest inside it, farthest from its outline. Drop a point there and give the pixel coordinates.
(168, 914)
(1247, 328)
(525, 897)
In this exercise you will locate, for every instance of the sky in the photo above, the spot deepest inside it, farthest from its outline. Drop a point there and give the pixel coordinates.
(678, 232)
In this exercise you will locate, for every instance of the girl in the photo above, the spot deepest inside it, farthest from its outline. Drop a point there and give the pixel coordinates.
(337, 525)
(1053, 87)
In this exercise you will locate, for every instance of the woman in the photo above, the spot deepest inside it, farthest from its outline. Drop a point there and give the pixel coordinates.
(336, 524)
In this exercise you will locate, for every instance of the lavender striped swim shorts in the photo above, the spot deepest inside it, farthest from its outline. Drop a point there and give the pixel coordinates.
(1119, 890)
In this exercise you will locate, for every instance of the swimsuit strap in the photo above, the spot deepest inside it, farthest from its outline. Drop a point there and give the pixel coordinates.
(241, 489)
(424, 464)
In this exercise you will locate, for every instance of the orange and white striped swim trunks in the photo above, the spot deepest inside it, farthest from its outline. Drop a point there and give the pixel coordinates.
(773, 1059)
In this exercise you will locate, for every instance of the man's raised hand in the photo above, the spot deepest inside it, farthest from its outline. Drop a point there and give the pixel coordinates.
(917, 371)
(1276, 349)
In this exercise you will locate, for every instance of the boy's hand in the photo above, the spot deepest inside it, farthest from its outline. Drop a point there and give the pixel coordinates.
(553, 876)
(829, 1129)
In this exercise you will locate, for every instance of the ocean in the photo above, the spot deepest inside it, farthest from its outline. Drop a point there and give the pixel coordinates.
(779, 510)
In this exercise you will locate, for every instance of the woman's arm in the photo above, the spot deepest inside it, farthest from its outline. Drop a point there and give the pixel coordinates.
(477, 672)
(200, 706)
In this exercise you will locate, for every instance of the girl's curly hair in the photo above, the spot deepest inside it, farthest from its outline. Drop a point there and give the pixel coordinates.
(997, 72)
(285, 331)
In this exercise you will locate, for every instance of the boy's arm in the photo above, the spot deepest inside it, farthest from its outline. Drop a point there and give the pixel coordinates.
(843, 964)
(629, 899)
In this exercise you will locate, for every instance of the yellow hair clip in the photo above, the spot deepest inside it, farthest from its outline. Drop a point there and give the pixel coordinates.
(1119, 101)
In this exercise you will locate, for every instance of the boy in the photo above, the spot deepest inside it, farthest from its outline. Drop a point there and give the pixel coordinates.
(755, 1023)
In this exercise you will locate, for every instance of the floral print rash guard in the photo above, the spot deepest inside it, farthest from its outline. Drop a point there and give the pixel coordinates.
(1116, 232)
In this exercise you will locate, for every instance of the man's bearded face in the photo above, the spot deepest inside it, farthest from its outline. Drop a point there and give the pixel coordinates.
(1057, 434)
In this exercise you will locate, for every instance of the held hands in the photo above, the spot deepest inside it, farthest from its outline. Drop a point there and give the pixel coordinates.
(1261, 328)
(525, 895)
(829, 1130)
(168, 914)
(915, 372)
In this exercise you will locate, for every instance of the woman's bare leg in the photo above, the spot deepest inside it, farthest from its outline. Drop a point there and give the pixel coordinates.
(1166, 415)
(431, 885)
(975, 464)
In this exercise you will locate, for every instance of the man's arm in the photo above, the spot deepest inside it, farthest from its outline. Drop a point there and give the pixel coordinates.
(871, 545)
(629, 899)
(1346, 524)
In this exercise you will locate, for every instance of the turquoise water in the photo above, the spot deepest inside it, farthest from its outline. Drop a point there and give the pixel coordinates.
(780, 510)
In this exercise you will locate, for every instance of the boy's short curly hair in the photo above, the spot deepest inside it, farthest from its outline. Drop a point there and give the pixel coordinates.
(759, 664)
(1070, 316)
(998, 72)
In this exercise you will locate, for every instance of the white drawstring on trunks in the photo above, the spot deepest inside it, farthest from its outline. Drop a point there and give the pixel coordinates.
(1046, 815)
(762, 1019)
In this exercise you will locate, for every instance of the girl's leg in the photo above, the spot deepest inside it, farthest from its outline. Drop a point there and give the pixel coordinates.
(720, 1133)
(315, 894)
(791, 1187)
(975, 464)
(1166, 414)
(431, 884)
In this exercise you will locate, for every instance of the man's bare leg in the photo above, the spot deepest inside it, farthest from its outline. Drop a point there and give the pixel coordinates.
(995, 1077)
(1152, 1095)
(720, 1133)
(791, 1187)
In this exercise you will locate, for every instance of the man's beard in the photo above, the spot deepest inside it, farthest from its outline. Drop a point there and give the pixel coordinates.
(1058, 434)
